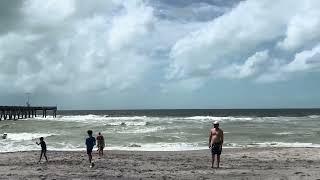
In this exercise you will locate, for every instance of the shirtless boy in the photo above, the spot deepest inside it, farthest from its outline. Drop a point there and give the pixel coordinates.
(43, 149)
(100, 143)
(215, 142)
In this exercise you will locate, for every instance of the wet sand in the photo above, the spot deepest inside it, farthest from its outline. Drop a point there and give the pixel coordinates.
(237, 163)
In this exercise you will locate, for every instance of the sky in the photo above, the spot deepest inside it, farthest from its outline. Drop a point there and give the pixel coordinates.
(151, 54)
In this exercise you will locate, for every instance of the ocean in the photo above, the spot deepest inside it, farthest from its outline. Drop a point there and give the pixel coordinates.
(165, 130)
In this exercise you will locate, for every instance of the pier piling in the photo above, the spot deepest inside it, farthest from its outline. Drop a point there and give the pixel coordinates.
(24, 112)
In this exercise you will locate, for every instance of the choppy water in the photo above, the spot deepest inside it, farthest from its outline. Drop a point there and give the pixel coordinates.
(165, 129)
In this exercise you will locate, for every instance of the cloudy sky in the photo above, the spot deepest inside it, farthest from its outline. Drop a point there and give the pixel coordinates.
(121, 54)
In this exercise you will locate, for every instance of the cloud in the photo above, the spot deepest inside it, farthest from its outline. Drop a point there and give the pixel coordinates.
(308, 60)
(9, 15)
(302, 29)
(303, 62)
(48, 12)
(223, 48)
(130, 25)
(193, 11)
(65, 53)
(157, 46)
(252, 66)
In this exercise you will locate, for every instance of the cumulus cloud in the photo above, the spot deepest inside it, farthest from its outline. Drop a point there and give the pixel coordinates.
(128, 27)
(308, 60)
(252, 66)
(80, 47)
(65, 53)
(224, 47)
(302, 29)
(47, 12)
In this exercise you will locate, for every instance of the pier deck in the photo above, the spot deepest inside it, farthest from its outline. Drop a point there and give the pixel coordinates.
(24, 112)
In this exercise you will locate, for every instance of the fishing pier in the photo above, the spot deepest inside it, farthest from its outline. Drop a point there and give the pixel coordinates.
(24, 112)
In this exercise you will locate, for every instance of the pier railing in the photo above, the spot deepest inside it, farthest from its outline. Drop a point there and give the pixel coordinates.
(24, 112)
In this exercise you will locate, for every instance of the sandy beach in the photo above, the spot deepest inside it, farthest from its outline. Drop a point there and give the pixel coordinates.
(236, 163)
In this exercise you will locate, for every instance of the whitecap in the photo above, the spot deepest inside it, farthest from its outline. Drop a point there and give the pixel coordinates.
(161, 147)
(26, 136)
(282, 144)
(314, 116)
(129, 123)
(90, 118)
(206, 119)
(142, 130)
(283, 133)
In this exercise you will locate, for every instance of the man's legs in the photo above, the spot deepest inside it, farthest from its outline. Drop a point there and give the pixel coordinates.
(218, 160)
(212, 162)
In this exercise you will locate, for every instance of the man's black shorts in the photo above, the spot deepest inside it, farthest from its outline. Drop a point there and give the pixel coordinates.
(216, 149)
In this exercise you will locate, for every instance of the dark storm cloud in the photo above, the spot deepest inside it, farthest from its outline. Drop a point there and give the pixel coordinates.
(183, 3)
(10, 15)
(191, 10)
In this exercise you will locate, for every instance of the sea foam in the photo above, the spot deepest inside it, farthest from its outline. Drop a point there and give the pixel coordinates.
(26, 136)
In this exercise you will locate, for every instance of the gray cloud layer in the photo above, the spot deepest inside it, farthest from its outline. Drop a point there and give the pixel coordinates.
(256, 38)
(111, 47)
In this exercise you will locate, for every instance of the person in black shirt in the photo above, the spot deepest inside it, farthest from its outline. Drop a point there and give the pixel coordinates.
(90, 143)
(43, 149)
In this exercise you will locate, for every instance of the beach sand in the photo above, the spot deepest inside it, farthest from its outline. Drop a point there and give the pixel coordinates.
(236, 163)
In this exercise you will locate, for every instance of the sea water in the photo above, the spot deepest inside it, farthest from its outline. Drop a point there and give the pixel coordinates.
(165, 130)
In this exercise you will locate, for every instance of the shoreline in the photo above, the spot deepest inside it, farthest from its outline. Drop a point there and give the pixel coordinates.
(145, 149)
(158, 151)
(236, 163)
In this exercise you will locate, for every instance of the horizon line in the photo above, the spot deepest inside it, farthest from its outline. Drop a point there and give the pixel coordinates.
(146, 109)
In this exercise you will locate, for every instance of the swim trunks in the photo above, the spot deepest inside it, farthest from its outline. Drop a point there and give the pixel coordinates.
(216, 149)
(100, 142)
